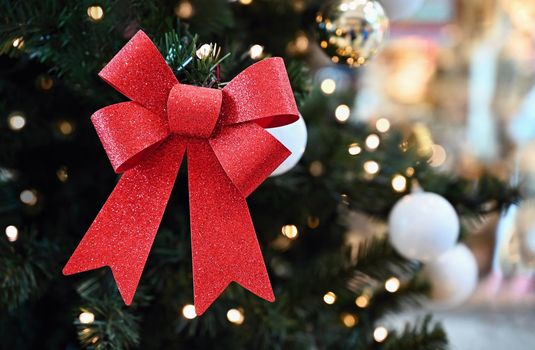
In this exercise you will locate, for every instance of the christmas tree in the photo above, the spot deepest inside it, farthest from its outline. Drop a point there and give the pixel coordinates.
(55, 177)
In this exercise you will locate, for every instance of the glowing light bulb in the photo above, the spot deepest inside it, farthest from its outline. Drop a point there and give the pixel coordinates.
(65, 127)
(380, 334)
(256, 51)
(371, 167)
(246, 2)
(328, 86)
(399, 183)
(18, 43)
(342, 113)
(373, 141)
(354, 149)
(28, 197)
(184, 10)
(438, 156)
(86, 317)
(329, 298)
(235, 316)
(362, 301)
(392, 284)
(188, 311)
(62, 174)
(382, 125)
(204, 51)
(316, 168)
(349, 320)
(16, 121)
(290, 231)
(12, 233)
(95, 13)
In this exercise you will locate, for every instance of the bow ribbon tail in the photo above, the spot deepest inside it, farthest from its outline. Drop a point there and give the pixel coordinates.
(123, 232)
(223, 239)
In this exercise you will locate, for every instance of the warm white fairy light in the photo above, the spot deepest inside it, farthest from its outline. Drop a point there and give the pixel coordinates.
(86, 317)
(28, 197)
(362, 301)
(235, 316)
(95, 13)
(65, 127)
(354, 149)
(290, 231)
(18, 43)
(380, 334)
(438, 156)
(373, 141)
(12, 233)
(382, 125)
(204, 51)
(349, 320)
(256, 51)
(16, 121)
(329, 298)
(371, 167)
(188, 311)
(328, 86)
(246, 2)
(184, 10)
(399, 183)
(392, 285)
(342, 113)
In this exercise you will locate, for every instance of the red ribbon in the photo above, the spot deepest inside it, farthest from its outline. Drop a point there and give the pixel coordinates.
(229, 156)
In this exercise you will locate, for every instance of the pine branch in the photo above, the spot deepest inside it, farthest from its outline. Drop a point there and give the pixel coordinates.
(422, 336)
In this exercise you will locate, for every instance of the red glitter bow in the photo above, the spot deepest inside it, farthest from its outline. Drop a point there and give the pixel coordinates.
(229, 156)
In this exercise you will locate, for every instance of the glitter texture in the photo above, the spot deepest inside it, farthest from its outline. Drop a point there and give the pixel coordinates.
(229, 156)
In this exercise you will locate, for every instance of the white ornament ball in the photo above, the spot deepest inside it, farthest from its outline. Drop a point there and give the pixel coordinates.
(401, 9)
(453, 277)
(293, 137)
(423, 225)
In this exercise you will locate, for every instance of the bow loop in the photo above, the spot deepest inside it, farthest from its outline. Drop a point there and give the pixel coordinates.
(128, 132)
(261, 93)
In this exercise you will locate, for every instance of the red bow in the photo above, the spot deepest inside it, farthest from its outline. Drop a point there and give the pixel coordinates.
(229, 156)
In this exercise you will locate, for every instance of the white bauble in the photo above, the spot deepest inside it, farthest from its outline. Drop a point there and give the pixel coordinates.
(423, 225)
(401, 9)
(453, 277)
(293, 137)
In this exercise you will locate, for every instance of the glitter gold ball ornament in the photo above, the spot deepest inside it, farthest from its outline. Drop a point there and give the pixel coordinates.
(352, 31)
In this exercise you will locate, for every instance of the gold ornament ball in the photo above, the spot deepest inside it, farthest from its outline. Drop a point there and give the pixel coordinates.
(352, 31)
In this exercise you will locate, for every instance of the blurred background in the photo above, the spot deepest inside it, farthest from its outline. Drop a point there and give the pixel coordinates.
(404, 218)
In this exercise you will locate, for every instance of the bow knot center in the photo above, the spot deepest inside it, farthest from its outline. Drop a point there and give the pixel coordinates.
(193, 111)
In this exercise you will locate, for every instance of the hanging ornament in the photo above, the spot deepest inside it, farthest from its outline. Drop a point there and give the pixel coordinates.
(453, 277)
(352, 31)
(401, 9)
(423, 225)
(294, 137)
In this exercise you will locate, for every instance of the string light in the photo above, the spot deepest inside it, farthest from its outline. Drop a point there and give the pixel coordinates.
(335, 59)
(380, 334)
(342, 113)
(45, 82)
(354, 149)
(313, 222)
(18, 43)
(301, 43)
(371, 167)
(86, 317)
(65, 127)
(329, 298)
(399, 183)
(316, 168)
(328, 86)
(246, 2)
(28, 197)
(409, 171)
(95, 13)
(438, 156)
(362, 301)
(290, 231)
(373, 141)
(188, 311)
(324, 44)
(184, 10)
(62, 174)
(12, 233)
(349, 320)
(204, 51)
(392, 285)
(382, 125)
(16, 121)
(235, 316)
(256, 51)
